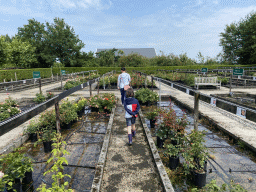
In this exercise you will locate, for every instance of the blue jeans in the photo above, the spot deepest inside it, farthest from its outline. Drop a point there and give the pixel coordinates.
(122, 95)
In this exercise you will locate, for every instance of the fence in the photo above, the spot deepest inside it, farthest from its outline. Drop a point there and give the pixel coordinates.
(29, 83)
(22, 117)
(242, 111)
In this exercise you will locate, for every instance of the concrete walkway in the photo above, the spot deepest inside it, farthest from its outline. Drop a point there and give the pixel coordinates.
(129, 168)
(226, 121)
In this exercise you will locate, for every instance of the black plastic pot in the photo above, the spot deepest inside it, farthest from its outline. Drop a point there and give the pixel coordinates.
(17, 186)
(174, 142)
(173, 162)
(33, 137)
(47, 146)
(80, 113)
(159, 142)
(200, 179)
(28, 178)
(152, 123)
(94, 109)
(198, 165)
(66, 126)
(107, 111)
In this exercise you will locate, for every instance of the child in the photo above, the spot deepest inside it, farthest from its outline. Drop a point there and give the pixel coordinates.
(132, 107)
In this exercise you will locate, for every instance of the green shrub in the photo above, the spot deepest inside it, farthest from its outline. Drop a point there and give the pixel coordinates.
(39, 98)
(146, 95)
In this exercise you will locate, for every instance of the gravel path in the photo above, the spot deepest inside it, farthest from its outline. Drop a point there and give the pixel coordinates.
(129, 168)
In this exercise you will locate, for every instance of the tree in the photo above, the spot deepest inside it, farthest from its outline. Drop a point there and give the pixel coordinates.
(4, 52)
(106, 58)
(21, 53)
(34, 32)
(239, 41)
(62, 42)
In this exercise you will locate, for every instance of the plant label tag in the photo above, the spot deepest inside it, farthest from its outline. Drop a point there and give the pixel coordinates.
(213, 101)
(88, 83)
(24, 81)
(82, 86)
(254, 78)
(187, 91)
(241, 112)
(171, 85)
(239, 76)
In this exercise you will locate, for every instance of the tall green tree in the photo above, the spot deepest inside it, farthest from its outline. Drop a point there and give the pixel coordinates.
(21, 53)
(106, 58)
(4, 50)
(34, 32)
(62, 42)
(239, 41)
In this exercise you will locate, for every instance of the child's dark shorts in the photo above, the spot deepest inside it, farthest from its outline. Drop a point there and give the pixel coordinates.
(130, 121)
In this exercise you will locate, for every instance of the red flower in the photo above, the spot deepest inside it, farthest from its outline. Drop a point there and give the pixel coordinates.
(106, 99)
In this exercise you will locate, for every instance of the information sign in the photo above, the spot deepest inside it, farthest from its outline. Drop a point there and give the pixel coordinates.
(241, 112)
(63, 72)
(238, 71)
(213, 101)
(36, 74)
(204, 70)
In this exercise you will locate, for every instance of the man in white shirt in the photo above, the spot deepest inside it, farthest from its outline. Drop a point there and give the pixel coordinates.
(123, 79)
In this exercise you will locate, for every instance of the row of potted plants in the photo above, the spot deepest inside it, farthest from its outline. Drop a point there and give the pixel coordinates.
(8, 108)
(73, 82)
(146, 96)
(41, 97)
(16, 169)
(102, 103)
(175, 143)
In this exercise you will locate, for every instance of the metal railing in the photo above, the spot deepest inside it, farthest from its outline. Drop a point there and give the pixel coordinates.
(22, 117)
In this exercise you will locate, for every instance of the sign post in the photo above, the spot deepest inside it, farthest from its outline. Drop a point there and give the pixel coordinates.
(36, 75)
(238, 71)
(204, 70)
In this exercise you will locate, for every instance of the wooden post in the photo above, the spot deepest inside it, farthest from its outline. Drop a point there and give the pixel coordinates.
(90, 84)
(145, 81)
(57, 111)
(40, 86)
(152, 82)
(57, 76)
(230, 84)
(98, 85)
(12, 85)
(61, 82)
(196, 109)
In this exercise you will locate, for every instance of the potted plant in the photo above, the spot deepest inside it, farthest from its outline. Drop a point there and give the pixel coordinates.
(107, 102)
(67, 114)
(162, 134)
(46, 137)
(151, 115)
(49, 95)
(146, 97)
(56, 170)
(17, 167)
(95, 102)
(173, 152)
(80, 106)
(39, 98)
(32, 130)
(48, 120)
(195, 155)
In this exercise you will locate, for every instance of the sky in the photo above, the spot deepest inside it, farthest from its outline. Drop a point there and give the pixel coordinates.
(169, 26)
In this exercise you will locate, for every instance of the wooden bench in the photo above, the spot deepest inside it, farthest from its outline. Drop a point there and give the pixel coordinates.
(207, 81)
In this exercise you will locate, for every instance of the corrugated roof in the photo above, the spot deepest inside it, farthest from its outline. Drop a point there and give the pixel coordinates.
(147, 52)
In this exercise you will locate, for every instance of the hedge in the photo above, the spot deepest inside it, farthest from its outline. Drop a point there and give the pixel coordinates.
(46, 72)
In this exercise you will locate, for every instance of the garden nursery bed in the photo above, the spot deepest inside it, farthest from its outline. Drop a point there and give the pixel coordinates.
(84, 141)
(229, 162)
